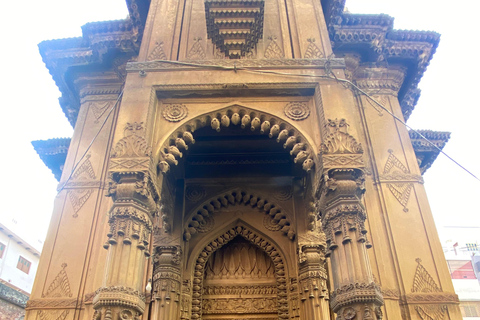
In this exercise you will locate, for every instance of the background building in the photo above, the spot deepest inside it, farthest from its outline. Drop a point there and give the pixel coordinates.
(18, 265)
(462, 251)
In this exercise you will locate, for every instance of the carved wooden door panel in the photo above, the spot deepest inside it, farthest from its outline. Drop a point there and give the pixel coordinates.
(239, 283)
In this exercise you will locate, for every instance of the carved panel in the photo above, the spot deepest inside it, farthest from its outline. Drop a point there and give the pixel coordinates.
(98, 108)
(273, 50)
(157, 53)
(423, 281)
(398, 179)
(312, 52)
(196, 51)
(52, 315)
(60, 286)
(133, 144)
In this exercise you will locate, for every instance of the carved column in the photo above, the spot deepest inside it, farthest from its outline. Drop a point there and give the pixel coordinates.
(167, 286)
(313, 275)
(134, 194)
(355, 295)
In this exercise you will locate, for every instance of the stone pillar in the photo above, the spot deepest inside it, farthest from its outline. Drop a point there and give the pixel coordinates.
(398, 206)
(355, 295)
(135, 196)
(167, 288)
(312, 276)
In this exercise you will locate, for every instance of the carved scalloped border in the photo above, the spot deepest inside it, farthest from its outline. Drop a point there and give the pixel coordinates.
(238, 115)
(270, 249)
(235, 197)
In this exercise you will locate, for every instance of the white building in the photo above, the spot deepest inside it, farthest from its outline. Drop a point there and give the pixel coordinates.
(18, 265)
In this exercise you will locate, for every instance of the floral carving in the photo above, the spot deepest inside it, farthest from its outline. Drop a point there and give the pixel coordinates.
(78, 198)
(133, 144)
(430, 312)
(195, 193)
(196, 52)
(297, 111)
(53, 315)
(339, 141)
(157, 53)
(273, 51)
(349, 313)
(174, 112)
(423, 281)
(60, 286)
(313, 52)
(283, 194)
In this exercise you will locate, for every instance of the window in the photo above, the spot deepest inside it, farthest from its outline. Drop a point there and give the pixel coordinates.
(2, 250)
(23, 264)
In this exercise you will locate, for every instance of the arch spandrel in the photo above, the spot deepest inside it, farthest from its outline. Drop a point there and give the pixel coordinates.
(290, 133)
(203, 249)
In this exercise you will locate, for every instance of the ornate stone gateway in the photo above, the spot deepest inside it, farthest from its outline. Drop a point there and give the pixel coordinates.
(236, 160)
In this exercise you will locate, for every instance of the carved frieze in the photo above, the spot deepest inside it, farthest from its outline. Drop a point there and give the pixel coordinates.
(239, 305)
(355, 293)
(51, 303)
(119, 296)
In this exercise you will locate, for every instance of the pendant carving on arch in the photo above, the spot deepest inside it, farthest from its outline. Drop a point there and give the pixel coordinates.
(275, 128)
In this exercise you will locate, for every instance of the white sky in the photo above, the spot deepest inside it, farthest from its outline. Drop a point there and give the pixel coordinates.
(31, 111)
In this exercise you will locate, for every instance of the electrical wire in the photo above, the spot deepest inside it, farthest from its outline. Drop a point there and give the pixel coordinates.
(91, 142)
(330, 75)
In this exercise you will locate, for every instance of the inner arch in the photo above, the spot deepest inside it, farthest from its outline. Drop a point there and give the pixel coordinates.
(239, 282)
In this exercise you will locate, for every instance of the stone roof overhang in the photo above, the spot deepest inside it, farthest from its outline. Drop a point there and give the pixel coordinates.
(425, 152)
(370, 36)
(53, 153)
(373, 38)
(100, 43)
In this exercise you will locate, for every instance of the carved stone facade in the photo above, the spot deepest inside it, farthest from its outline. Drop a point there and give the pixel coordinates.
(226, 165)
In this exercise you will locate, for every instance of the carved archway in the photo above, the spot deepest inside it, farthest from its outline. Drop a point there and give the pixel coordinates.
(277, 218)
(257, 240)
(300, 149)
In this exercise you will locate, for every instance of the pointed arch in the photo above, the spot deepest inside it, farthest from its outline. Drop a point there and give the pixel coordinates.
(246, 118)
(259, 241)
(200, 216)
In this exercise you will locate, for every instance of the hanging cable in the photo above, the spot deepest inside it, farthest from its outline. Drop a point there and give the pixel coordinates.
(330, 75)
